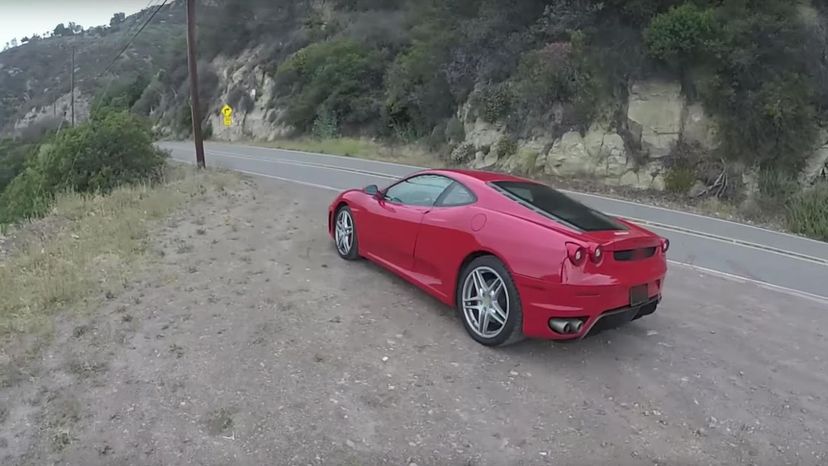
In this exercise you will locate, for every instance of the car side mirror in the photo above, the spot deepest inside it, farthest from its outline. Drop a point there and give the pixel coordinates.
(371, 190)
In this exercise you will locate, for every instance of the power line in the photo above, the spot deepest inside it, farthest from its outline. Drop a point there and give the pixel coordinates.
(143, 26)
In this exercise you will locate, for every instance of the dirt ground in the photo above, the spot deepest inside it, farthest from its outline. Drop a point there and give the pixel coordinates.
(248, 341)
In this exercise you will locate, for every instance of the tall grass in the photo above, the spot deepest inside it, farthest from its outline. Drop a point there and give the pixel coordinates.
(360, 148)
(807, 212)
(87, 245)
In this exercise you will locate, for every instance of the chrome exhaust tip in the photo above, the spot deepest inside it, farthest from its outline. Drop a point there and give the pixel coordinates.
(566, 326)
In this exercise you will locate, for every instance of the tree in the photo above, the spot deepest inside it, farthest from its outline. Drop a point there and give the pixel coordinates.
(24, 40)
(75, 28)
(61, 31)
(13, 43)
(117, 19)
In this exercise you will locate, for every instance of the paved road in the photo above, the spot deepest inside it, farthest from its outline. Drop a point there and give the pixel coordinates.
(776, 260)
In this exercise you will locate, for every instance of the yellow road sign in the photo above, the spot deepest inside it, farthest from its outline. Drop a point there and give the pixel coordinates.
(227, 111)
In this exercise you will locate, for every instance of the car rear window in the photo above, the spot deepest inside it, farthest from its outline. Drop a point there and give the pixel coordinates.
(558, 206)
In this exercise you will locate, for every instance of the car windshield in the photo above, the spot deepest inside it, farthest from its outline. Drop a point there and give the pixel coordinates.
(557, 205)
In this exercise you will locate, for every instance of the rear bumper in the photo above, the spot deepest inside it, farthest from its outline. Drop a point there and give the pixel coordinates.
(598, 307)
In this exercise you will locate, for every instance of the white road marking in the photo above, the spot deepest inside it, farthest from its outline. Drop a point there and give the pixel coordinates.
(678, 229)
(770, 286)
(725, 275)
(596, 196)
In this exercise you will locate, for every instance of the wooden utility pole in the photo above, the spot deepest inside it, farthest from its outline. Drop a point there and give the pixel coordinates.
(194, 103)
(72, 99)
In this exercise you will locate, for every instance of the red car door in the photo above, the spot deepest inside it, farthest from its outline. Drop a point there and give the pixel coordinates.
(445, 237)
(396, 218)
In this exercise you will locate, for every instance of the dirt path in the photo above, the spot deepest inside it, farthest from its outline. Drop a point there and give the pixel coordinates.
(250, 342)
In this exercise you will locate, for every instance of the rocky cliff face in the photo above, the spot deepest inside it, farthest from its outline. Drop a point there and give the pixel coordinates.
(52, 116)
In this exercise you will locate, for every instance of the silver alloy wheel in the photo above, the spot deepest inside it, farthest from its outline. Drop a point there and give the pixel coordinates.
(485, 302)
(344, 232)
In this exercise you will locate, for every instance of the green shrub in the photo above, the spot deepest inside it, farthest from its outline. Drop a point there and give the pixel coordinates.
(807, 212)
(325, 126)
(455, 131)
(680, 33)
(558, 73)
(463, 153)
(506, 147)
(776, 189)
(418, 95)
(93, 157)
(761, 91)
(339, 76)
(494, 103)
(679, 179)
(12, 160)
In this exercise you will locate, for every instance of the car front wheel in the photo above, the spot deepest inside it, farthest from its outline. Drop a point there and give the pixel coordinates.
(489, 303)
(345, 236)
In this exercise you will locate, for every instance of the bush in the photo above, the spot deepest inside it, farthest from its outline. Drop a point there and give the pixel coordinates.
(12, 160)
(494, 103)
(679, 34)
(558, 73)
(455, 131)
(326, 125)
(761, 92)
(338, 76)
(463, 153)
(505, 147)
(679, 179)
(807, 212)
(93, 157)
(776, 189)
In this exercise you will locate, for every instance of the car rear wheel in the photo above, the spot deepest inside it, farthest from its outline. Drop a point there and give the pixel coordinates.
(489, 304)
(345, 236)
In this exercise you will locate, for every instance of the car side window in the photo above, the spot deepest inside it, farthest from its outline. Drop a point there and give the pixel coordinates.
(456, 195)
(420, 190)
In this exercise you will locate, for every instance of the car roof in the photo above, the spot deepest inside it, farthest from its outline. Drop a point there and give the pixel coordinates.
(477, 175)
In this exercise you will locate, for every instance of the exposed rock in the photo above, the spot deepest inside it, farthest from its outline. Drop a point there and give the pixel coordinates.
(697, 189)
(699, 127)
(569, 156)
(655, 115)
(261, 121)
(485, 161)
(481, 133)
(51, 115)
(645, 178)
(607, 150)
(594, 140)
(522, 163)
(817, 166)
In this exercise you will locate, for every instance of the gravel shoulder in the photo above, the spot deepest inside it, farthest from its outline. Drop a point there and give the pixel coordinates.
(248, 341)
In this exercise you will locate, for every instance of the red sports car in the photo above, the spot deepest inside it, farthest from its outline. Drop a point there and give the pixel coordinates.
(514, 256)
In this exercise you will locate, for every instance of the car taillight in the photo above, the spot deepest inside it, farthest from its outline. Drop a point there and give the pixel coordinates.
(597, 254)
(577, 254)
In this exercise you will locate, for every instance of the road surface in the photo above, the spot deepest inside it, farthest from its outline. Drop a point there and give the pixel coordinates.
(771, 259)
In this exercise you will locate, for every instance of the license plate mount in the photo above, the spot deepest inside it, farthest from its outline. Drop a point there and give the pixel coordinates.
(639, 295)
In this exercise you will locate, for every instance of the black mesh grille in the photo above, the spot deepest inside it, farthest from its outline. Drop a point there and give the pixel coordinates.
(634, 254)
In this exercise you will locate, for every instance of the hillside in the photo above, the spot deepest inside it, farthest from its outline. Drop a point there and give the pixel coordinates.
(35, 77)
(701, 98)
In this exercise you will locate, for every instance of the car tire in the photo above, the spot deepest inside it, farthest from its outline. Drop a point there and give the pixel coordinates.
(489, 270)
(348, 249)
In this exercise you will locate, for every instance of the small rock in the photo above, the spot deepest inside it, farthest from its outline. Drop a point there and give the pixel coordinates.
(513, 373)
(701, 432)
(350, 444)
(656, 412)
(651, 333)
(384, 358)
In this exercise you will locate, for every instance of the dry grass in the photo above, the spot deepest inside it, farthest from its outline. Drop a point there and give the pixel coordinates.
(360, 148)
(90, 245)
